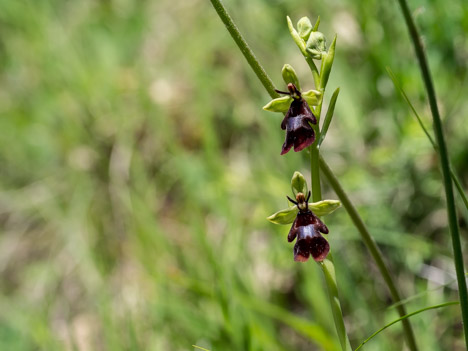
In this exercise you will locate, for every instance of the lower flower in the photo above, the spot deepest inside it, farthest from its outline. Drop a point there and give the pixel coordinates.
(307, 228)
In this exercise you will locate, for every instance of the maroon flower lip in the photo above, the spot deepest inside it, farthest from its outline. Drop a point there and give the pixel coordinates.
(307, 228)
(299, 132)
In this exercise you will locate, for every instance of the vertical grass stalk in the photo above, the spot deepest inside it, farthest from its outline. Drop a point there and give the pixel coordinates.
(444, 163)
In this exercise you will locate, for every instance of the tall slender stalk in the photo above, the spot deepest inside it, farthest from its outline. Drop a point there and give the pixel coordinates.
(444, 163)
(352, 212)
(327, 265)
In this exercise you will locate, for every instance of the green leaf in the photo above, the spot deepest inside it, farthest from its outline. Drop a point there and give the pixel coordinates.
(327, 64)
(279, 105)
(325, 207)
(299, 184)
(304, 27)
(406, 316)
(290, 76)
(312, 97)
(286, 216)
(297, 38)
(328, 116)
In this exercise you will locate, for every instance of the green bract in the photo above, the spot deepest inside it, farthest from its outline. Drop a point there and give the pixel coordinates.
(279, 105)
(304, 27)
(297, 38)
(290, 76)
(288, 215)
(299, 184)
(327, 64)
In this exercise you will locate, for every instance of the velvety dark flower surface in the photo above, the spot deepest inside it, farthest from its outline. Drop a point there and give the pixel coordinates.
(299, 133)
(307, 228)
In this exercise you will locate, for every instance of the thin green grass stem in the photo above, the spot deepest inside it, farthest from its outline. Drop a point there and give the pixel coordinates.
(444, 163)
(455, 179)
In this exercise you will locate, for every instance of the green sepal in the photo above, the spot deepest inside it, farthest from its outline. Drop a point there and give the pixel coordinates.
(316, 45)
(312, 97)
(304, 27)
(327, 64)
(286, 216)
(297, 38)
(290, 76)
(325, 207)
(299, 184)
(279, 105)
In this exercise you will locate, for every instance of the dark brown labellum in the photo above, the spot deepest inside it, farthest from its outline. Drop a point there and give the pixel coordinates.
(299, 133)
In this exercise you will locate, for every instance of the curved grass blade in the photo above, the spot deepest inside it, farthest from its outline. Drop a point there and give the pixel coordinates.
(404, 317)
(200, 348)
(455, 179)
(422, 293)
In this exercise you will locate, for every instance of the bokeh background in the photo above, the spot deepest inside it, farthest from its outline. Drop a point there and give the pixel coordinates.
(137, 170)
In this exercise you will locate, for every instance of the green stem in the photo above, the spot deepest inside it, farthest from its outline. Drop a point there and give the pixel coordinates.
(444, 163)
(328, 265)
(372, 246)
(269, 86)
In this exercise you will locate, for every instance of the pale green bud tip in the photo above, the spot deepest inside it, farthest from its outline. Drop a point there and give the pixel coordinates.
(298, 184)
(316, 45)
(289, 76)
(304, 27)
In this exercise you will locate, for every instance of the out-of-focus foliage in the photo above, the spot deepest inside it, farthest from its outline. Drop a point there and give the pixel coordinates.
(137, 168)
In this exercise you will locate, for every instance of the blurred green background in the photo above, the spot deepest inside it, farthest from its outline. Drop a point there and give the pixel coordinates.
(137, 169)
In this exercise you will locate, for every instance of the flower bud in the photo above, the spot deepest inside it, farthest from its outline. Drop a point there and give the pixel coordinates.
(304, 27)
(289, 76)
(298, 184)
(316, 45)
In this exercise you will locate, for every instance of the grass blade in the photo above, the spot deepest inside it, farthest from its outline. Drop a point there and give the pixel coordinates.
(406, 316)
(444, 163)
(455, 179)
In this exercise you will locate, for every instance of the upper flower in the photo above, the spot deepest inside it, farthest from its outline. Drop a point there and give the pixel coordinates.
(299, 133)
